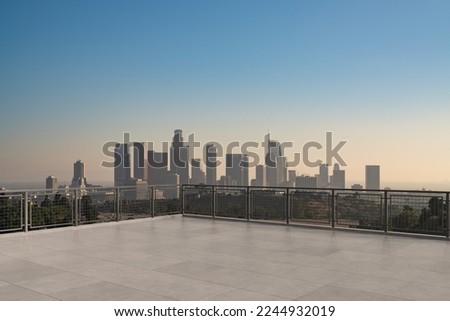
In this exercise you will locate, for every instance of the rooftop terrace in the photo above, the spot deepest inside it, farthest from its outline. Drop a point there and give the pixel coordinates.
(186, 258)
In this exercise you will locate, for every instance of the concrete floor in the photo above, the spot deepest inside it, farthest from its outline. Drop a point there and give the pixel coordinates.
(182, 258)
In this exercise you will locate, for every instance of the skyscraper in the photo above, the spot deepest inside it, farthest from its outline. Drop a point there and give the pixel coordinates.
(322, 178)
(237, 169)
(198, 175)
(139, 166)
(338, 178)
(157, 172)
(79, 178)
(281, 170)
(292, 176)
(179, 157)
(122, 170)
(372, 177)
(211, 164)
(274, 151)
(172, 191)
(51, 183)
(260, 179)
(245, 170)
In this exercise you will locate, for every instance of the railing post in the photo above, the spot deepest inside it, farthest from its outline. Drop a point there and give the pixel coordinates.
(182, 200)
(213, 199)
(117, 204)
(153, 199)
(247, 203)
(288, 207)
(25, 212)
(386, 208)
(76, 207)
(447, 215)
(333, 211)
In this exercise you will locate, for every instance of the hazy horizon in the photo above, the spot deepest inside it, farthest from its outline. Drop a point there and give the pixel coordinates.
(75, 75)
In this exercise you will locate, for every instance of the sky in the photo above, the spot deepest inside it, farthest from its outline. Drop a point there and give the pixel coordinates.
(375, 73)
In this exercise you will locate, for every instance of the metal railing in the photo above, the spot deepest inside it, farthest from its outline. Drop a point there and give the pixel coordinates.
(24, 210)
(391, 211)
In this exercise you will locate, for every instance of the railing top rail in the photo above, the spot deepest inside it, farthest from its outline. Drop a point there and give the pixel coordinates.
(72, 189)
(322, 189)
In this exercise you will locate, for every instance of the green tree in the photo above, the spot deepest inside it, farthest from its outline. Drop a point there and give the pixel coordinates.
(88, 210)
(9, 213)
(407, 219)
(431, 218)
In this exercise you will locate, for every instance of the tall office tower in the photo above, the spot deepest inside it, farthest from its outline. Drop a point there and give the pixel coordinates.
(79, 178)
(306, 181)
(281, 170)
(292, 176)
(260, 176)
(51, 183)
(179, 157)
(139, 166)
(322, 178)
(372, 177)
(338, 178)
(183, 172)
(198, 175)
(173, 190)
(122, 170)
(157, 171)
(211, 164)
(237, 169)
(245, 170)
(274, 151)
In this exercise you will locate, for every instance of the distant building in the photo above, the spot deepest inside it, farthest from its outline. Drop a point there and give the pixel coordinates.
(273, 151)
(237, 169)
(337, 180)
(172, 191)
(140, 190)
(122, 170)
(198, 175)
(281, 170)
(51, 183)
(169, 191)
(287, 184)
(306, 181)
(357, 186)
(322, 178)
(372, 177)
(157, 171)
(225, 181)
(79, 177)
(260, 179)
(211, 164)
(179, 157)
(139, 166)
(292, 176)
(245, 170)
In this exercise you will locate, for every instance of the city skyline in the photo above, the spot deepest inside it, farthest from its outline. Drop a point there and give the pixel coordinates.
(179, 166)
(375, 74)
(129, 167)
(129, 164)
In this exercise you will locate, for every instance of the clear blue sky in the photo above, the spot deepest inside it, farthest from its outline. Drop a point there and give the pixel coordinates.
(74, 74)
